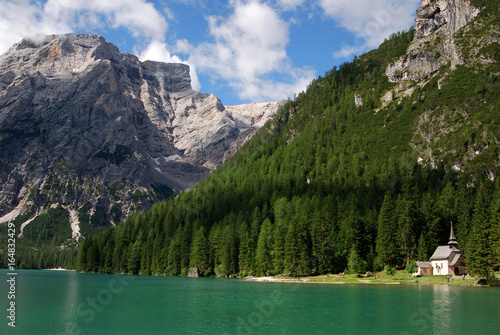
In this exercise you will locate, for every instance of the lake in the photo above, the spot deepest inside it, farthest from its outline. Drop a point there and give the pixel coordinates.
(64, 302)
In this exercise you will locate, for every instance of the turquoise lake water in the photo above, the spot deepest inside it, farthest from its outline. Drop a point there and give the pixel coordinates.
(62, 302)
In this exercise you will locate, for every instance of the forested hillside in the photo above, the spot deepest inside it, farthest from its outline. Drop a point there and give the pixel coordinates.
(354, 174)
(332, 185)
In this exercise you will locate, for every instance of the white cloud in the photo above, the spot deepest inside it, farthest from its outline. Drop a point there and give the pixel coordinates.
(21, 18)
(290, 4)
(159, 51)
(371, 21)
(139, 16)
(248, 51)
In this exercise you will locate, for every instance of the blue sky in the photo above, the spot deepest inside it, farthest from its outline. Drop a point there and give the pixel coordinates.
(240, 50)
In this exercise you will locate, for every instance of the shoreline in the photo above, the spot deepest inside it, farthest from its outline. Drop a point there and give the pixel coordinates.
(371, 280)
(348, 279)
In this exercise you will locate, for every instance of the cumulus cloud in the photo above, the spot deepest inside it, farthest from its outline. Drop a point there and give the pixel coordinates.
(247, 39)
(138, 16)
(289, 4)
(24, 19)
(159, 51)
(20, 19)
(248, 51)
(371, 21)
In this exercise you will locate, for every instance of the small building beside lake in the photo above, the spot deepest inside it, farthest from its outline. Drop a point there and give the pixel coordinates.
(446, 260)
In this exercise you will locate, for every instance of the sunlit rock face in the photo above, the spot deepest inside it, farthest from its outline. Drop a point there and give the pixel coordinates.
(84, 124)
(436, 24)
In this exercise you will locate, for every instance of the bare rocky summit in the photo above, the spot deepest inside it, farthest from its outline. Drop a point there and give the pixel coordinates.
(95, 130)
(448, 34)
(436, 24)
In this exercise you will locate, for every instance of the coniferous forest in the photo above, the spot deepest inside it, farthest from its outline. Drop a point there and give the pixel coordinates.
(328, 186)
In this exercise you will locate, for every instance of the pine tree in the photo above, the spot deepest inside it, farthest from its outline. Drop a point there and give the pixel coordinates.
(81, 261)
(264, 247)
(495, 225)
(479, 249)
(422, 248)
(386, 245)
(92, 255)
(245, 258)
(199, 251)
(407, 222)
(281, 212)
(323, 252)
(134, 257)
(186, 246)
(432, 230)
(174, 253)
(355, 263)
(297, 249)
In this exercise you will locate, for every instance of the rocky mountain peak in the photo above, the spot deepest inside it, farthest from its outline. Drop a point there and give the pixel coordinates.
(450, 39)
(94, 130)
(449, 14)
(69, 56)
(436, 24)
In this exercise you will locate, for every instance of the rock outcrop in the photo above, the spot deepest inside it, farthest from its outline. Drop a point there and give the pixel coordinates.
(448, 34)
(88, 127)
(436, 24)
(450, 15)
(194, 273)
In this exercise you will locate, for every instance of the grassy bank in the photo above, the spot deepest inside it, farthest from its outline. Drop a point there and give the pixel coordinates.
(401, 277)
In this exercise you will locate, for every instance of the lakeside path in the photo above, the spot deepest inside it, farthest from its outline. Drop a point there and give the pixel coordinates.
(401, 278)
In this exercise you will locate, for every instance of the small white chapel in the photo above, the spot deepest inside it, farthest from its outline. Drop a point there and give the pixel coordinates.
(446, 260)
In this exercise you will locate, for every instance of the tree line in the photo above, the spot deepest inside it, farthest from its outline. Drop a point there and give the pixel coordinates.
(327, 186)
(304, 235)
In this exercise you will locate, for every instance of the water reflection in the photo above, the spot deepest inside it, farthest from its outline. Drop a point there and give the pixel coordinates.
(68, 321)
(442, 311)
(49, 304)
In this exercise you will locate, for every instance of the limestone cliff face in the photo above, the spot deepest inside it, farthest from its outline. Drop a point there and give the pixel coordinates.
(436, 24)
(82, 124)
(448, 34)
(450, 15)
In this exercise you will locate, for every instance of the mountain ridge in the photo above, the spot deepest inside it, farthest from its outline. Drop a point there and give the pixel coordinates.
(355, 174)
(85, 126)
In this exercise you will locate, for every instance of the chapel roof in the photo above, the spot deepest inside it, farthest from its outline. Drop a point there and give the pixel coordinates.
(424, 264)
(455, 259)
(445, 252)
(449, 252)
(453, 239)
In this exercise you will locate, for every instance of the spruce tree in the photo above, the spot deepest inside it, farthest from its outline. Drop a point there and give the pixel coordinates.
(264, 247)
(281, 212)
(323, 253)
(355, 263)
(422, 253)
(479, 249)
(245, 260)
(199, 251)
(407, 222)
(81, 260)
(134, 257)
(386, 245)
(174, 253)
(432, 230)
(495, 225)
(297, 248)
